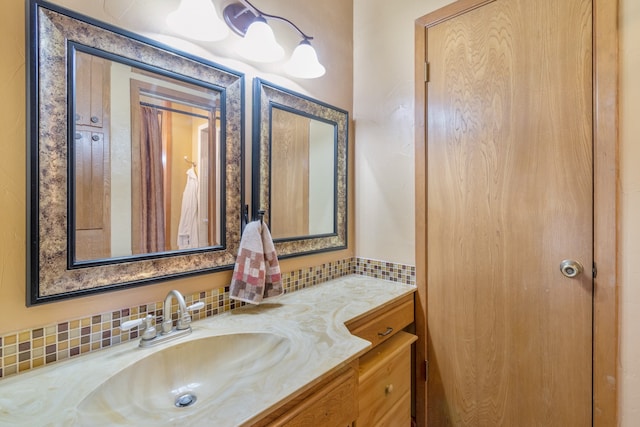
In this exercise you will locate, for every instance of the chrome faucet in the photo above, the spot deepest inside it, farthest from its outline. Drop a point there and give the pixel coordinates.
(184, 318)
(150, 336)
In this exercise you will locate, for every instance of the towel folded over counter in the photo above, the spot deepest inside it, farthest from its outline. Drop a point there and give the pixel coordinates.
(256, 274)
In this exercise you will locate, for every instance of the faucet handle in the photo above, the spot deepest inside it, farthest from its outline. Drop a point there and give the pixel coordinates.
(130, 324)
(145, 322)
(196, 306)
(185, 320)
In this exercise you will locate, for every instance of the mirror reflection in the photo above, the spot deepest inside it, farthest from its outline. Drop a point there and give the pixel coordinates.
(146, 170)
(134, 161)
(302, 175)
(299, 158)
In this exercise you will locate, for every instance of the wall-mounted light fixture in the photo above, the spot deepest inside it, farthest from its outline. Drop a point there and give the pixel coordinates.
(198, 20)
(259, 43)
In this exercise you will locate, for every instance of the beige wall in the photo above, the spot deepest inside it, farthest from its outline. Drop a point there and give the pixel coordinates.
(383, 61)
(383, 102)
(330, 23)
(629, 245)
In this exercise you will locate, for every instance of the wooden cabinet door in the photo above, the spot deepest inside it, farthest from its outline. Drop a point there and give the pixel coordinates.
(91, 89)
(332, 404)
(90, 177)
(92, 167)
(509, 197)
(384, 393)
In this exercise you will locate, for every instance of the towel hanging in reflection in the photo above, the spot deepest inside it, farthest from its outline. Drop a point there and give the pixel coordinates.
(188, 226)
(256, 274)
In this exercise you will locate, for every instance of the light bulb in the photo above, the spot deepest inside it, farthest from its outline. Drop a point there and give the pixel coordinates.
(198, 20)
(304, 62)
(259, 44)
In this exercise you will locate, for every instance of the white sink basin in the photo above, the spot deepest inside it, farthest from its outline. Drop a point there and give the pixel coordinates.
(181, 379)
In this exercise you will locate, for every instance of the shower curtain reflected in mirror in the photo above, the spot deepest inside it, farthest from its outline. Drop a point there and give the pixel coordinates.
(152, 221)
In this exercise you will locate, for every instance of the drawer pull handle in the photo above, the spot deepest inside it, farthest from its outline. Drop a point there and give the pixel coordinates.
(385, 333)
(388, 389)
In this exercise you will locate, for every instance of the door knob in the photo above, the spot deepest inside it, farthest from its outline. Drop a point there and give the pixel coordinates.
(571, 268)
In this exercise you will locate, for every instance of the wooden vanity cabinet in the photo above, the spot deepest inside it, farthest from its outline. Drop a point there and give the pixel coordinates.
(374, 391)
(384, 380)
(332, 403)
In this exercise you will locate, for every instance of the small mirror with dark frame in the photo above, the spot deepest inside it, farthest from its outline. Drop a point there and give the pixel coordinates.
(299, 170)
(135, 159)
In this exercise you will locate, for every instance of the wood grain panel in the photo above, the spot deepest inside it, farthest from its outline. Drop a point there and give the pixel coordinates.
(92, 158)
(334, 404)
(92, 183)
(83, 88)
(398, 416)
(99, 82)
(382, 325)
(509, 156)
(90, 244)
(420, 309)
(289, 174)
(605, 304)
(385, 383)
(91, 84)
(83, 180)
(605, 104)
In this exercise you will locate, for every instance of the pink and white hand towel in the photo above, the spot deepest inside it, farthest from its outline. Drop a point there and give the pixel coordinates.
(256, 274)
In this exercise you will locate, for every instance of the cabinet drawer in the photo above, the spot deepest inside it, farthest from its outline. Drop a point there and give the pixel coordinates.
(334, 404)
(382, 324)
(385, 381)
(398, 416)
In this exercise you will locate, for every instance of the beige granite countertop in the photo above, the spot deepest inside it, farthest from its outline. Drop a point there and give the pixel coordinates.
(313, 319)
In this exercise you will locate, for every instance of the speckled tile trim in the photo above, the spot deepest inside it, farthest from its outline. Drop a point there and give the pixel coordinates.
(28, 349)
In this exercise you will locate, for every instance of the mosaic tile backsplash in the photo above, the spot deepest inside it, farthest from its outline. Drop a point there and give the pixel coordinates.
(28, 349)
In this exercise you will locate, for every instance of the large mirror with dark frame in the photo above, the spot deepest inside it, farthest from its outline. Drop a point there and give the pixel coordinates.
(135, 159)
(299, 170)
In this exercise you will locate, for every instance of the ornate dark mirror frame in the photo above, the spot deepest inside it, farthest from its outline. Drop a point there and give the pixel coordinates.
(267, 96)
(50, 274)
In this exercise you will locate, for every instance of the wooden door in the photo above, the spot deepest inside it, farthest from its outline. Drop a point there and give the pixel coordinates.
(509, 196)
(289, 174)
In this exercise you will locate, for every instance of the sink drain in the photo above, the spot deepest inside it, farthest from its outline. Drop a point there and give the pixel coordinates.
(185, 400)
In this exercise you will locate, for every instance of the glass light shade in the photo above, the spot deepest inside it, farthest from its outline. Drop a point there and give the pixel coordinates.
(304, 62)
(198, 20)
(259, 44)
